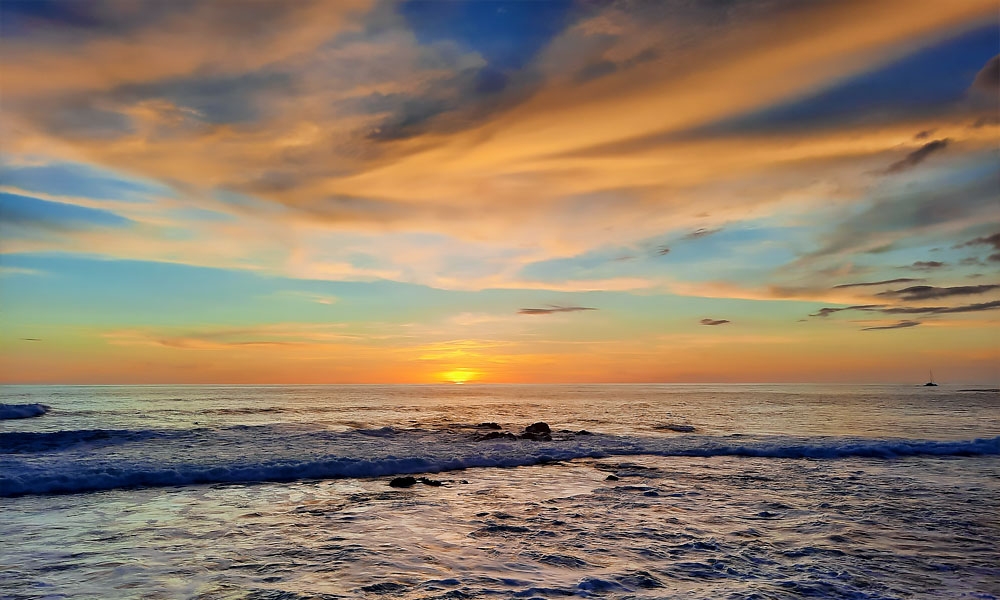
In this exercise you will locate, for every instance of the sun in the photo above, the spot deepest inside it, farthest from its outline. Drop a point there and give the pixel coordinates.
(459, 376)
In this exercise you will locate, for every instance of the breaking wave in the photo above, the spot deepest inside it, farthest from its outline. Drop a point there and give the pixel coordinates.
(22, 411)
(90, 460)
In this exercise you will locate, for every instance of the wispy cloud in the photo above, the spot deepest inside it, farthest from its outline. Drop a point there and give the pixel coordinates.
(700, 233)
(899, 325)
(300, 335)
(895, 216)
(927, 265)
(988, 78)
(988, 240)
(876, 283)
(912, 310)
(918, 156)
(826, 312)
(309, 296)
(552, 310)
(713, 321)
(415, 142)
(929, 292)
(6, 271)
(944, 310)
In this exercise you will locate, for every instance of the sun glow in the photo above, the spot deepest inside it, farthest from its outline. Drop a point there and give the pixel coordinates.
(459, 376)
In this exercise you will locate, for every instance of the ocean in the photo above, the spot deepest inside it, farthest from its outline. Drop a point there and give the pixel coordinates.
(643, 491)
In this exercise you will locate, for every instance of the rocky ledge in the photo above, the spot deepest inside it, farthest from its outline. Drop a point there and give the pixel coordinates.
(536, 432)
(408, 481)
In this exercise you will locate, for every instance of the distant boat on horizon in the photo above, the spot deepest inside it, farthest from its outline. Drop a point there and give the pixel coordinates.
(931, 382)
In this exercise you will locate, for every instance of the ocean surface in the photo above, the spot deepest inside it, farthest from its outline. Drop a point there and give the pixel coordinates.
(644, 491)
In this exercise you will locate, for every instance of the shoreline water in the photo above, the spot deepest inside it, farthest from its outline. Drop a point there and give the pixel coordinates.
(820, 491)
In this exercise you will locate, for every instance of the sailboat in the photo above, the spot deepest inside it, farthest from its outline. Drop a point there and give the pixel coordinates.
(931, 382)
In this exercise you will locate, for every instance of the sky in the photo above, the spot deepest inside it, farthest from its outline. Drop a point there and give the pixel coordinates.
(340, 191)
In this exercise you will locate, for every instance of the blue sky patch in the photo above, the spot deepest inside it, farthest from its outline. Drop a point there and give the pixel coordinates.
(506, 34)
(32, 212)
(69, 179)
(926, 79)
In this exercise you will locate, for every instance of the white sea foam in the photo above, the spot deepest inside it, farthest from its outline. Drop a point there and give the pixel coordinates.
(77, 461)
(22, 411)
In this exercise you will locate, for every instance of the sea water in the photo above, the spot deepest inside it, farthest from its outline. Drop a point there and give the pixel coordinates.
(644, 491)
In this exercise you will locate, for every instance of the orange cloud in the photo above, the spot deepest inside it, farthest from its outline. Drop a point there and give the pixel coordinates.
(581, 164)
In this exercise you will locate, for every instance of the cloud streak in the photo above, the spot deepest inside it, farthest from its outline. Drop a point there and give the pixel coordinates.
(826, 312)
(875, 283)
(918, 156)
(988, 78)
(700, 233)
(988, 240)
(552, 310)
(928, 292)
(714, 321)
(926, 265)
(912, 310)
(944, 310)
(899, 325)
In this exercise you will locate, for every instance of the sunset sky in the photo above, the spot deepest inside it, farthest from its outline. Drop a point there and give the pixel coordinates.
(333, 191)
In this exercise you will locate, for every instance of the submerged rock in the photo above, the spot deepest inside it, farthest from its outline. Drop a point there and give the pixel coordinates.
(497, 435)
(430, 482)
(384, 588)
(677, 427)
(536, 437)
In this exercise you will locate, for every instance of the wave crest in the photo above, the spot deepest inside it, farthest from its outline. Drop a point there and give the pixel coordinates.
(90, 460)
(22, 411)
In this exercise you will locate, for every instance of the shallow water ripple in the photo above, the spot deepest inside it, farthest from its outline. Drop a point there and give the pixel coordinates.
(669, 527)
(778, 492)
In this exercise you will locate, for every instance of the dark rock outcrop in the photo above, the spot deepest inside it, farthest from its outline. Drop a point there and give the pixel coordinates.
(536, 432)
(538, 428)
(408, 481)
(489, 425)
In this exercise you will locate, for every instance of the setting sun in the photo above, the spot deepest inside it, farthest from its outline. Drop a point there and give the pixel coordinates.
(459, 376)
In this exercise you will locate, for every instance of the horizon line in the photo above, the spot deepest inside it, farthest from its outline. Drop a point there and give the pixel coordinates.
(482, 383)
